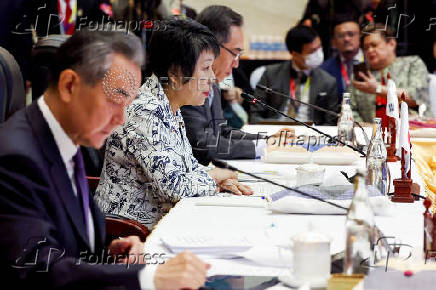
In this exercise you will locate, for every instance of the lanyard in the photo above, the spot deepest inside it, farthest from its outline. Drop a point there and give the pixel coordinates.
(345, 74)
(292, 87)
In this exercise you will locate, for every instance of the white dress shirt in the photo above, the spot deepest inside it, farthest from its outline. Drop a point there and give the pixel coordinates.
(67, 150)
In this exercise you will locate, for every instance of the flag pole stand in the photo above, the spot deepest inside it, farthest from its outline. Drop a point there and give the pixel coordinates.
(404, 186)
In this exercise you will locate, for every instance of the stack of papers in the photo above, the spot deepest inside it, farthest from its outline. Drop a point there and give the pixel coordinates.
(207, 244)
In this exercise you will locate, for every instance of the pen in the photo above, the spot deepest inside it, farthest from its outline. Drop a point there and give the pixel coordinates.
(250, 180)
(265, 172)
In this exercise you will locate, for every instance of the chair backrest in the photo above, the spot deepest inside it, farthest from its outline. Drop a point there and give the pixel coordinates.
(432, 88)
(93, 183)
(12, 95)
(118, 226)
(43, 57)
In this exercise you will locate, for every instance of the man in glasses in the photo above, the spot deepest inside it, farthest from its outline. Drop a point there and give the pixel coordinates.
(346, 39)
(206, 127)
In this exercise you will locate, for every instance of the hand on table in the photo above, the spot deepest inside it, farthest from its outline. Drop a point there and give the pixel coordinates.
(227, 180)
(233, 186)
(284, 132)
(281, 138)
(220, 174)
(185, 271)
(131, 247)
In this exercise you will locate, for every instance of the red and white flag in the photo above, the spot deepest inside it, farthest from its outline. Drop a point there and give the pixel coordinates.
(405, 136)
(392, 109)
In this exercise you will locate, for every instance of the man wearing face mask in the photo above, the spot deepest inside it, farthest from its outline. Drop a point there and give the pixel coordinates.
(301, 79)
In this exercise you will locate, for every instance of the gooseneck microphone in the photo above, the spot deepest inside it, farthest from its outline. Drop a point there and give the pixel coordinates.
(331, 113)
(378, 233)
(254, 100)
(225, 165)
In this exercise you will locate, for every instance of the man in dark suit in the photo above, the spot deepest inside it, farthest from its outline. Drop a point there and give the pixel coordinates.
(52, 234)
(346, 39)
(301, 79)
(206, 128)
(320, 15)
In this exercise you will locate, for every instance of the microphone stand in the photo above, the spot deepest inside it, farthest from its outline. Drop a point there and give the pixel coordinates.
(225, 165)
(254, 100)
(331, 113)
(378, 233)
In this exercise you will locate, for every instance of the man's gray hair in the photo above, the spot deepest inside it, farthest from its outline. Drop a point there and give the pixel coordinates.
(89, 53)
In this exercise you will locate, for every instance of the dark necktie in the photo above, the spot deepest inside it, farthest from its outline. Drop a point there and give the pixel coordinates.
(349, 65)
(82, 187)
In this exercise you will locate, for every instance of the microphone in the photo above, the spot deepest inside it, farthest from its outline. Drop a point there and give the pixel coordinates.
(378, 233)
(225, 165)
(254, 100)
(332, 113)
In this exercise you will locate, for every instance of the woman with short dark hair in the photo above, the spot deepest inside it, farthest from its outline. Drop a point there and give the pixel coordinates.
(148, 162)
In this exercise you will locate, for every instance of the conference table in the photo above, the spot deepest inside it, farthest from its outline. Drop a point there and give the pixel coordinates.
(226, 218)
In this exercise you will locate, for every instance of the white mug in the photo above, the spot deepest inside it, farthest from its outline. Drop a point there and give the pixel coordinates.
(311, 258)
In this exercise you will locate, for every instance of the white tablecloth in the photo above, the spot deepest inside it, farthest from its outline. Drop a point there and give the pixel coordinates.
(271, 229)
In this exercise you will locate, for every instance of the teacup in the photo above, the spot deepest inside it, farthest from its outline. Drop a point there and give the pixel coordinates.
(311, 258)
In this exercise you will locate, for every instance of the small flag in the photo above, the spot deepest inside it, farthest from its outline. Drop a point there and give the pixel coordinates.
(405, 137)
(392, 109)
(107, 9)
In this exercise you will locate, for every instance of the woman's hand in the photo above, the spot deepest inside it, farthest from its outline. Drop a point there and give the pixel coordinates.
(220, 174)
(233, 186)
(227, 180)
(368, 85)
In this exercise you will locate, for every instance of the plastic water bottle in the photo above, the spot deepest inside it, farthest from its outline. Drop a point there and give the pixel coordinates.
(346, 122)
(378, 171)
(359, 252)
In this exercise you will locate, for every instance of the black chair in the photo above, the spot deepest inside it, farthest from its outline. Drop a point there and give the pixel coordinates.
(12, 95)
(43, 57)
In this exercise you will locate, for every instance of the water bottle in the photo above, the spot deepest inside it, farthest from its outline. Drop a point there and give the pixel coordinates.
(359, 252)
(376, 156)
(346, 122)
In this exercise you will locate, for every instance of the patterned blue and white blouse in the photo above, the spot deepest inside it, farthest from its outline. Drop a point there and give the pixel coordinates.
(148, 163)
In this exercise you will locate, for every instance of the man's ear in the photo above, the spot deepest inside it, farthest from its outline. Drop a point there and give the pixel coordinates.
(392, 42)
(67, 84)
(333, 43)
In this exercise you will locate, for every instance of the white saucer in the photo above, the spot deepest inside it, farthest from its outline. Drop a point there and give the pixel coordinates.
(291, 281)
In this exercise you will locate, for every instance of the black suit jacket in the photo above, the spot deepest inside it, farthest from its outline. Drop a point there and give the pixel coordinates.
(323, 93)
(42, 232)
(211, 137)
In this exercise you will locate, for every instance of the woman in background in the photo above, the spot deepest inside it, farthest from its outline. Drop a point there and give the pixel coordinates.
(408, 72)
